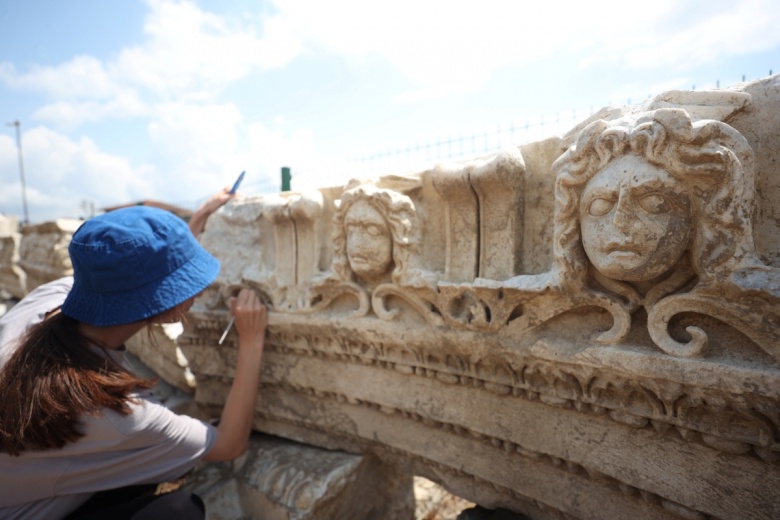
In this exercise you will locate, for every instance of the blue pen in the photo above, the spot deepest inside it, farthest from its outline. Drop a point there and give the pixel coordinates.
(237, 183)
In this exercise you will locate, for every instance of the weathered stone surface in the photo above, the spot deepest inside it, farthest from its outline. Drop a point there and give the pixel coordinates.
(282, 480)
(434, 502)
(587, 325)
(43, 251)
(8, 225)
(157, 348)
(12, 278)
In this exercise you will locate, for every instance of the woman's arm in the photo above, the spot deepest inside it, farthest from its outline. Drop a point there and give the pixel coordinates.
(198, 220)
(235, 424)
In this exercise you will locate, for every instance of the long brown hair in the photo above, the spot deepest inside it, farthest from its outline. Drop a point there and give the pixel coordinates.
(52, 380)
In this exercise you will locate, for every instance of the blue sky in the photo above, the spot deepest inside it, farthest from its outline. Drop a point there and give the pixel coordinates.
(123, 100)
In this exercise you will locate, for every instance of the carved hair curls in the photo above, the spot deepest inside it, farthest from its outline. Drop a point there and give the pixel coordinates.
(712, 161)
(398, 212)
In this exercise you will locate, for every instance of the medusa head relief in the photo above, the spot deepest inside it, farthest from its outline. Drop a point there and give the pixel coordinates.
(658, 210)
(375, 236)
(369, 245)
(635, 220)
(635, 197)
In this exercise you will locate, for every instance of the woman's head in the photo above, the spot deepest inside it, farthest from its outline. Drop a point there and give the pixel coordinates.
(632, 196)
(133, 264)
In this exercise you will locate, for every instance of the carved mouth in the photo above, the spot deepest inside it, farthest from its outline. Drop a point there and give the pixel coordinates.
(614, 247)
(623, 255)
(622, 250)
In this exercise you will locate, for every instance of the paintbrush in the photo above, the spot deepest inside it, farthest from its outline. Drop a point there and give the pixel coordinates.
(227, 329)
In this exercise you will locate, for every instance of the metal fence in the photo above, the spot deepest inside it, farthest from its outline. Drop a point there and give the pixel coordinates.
(470, 144)
(420, 155)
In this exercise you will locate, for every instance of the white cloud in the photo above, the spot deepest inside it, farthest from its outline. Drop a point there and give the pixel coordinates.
(70, 115)
(453, 45)
(443, 46)
(449, 45)
(268, 150)
(740, 28)
(61, 172)
(196, 151)
(193, 145)
(10, 195)
(693, 31)
(83, 77)
(198, 142)
(189, 54)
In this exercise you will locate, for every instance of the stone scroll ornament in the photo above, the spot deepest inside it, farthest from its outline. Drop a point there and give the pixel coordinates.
(651, 211)
(663, 207)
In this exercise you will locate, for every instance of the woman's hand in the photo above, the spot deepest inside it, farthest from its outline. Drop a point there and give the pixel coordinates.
(216, 201)
(251, 316)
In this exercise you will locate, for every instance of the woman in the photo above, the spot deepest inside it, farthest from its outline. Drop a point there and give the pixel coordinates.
(77, 428)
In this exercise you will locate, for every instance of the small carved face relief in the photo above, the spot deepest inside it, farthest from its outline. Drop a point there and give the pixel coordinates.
(369, 242)
(635, 219)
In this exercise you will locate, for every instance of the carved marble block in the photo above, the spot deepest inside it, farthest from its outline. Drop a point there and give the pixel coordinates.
(282, 480)
(43, 251)
(585, 326)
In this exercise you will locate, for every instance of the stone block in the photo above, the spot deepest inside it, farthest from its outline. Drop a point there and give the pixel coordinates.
(43, 251)
(279, 479)
(12, 278)
(156, 347)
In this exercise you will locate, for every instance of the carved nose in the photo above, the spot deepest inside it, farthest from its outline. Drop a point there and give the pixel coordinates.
(624, 216)
(358, 241)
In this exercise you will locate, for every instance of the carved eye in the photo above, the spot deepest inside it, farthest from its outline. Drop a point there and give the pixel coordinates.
(655, 204)
(373, 230)
(600, 207)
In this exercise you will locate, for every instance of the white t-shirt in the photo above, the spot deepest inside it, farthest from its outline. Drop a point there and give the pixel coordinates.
(148, 446)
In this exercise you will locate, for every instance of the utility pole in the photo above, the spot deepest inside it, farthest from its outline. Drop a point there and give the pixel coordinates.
(17, 124)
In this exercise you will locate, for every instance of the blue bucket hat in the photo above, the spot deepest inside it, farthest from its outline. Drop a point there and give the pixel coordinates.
(132, 264)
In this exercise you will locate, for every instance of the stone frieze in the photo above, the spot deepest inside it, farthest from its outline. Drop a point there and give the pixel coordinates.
(607, 301)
